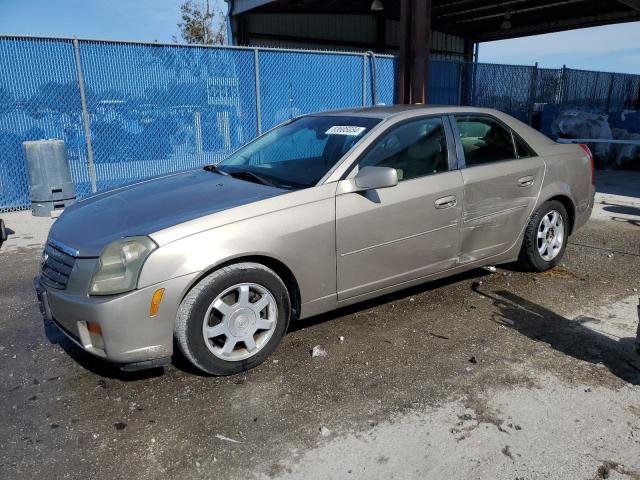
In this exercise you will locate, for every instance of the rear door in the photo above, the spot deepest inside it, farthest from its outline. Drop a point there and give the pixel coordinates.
(502, 178)
(388, 236)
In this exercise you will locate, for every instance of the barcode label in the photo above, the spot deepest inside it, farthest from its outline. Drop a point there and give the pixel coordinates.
(345, 130)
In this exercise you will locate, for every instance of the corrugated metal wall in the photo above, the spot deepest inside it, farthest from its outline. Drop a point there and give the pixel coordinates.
(338, 32)
(443, 45)
(334, 28)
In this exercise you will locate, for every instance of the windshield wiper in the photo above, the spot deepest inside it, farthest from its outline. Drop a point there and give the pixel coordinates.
(214, 168)
(252, 177)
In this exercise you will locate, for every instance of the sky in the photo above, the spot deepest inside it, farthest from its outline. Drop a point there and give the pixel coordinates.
(613, 48)
(138, 20)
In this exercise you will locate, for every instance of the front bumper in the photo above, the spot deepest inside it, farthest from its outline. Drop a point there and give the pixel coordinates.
(130, 336)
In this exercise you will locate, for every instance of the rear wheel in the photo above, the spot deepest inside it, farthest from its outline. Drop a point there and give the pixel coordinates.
(545, 238)
(3, 232)
(233, 319)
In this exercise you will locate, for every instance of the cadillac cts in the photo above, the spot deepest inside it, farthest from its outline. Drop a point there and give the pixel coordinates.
(323, 211)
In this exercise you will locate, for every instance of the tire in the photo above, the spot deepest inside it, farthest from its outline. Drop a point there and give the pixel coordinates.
(533, 255)
(3, 232)
(234, 300)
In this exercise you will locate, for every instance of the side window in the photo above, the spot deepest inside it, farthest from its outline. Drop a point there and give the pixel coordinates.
(414, 149)
(524, 150)
(484, 140)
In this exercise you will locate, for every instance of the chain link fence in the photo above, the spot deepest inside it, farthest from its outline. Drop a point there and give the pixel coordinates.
(39, 98)
(128, 111)
(516, 89)
(508, 88)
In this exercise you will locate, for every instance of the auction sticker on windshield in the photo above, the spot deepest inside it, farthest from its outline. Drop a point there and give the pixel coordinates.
(345, 130)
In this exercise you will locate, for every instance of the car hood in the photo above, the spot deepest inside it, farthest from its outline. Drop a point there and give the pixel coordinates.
(146, 207)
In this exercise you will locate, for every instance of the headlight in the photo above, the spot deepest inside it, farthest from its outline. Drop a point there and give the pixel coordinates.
(120, 264)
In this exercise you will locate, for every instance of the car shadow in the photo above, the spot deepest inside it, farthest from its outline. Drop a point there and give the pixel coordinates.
(635, 223)
(621, 209)
(570, 337)
(540, 324)
(477, 273)
(92, 363)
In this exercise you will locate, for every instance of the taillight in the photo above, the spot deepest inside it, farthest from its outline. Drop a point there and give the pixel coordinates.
(593, 167)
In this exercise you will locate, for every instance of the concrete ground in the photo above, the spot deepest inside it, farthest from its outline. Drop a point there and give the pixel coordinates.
(507, 375)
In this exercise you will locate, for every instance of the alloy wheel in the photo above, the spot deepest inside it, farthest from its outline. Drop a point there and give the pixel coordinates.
(240, 321)
(550, 235)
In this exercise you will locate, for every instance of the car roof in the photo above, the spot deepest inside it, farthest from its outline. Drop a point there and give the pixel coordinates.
(385, 112)
(388, 111)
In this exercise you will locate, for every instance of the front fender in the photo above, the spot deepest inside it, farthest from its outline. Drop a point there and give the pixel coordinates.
(302, 237)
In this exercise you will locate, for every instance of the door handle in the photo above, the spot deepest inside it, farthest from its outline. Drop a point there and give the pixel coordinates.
(526, 181)
(446, 202)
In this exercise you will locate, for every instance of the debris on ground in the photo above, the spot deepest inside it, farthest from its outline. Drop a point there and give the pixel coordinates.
(120, 426)
(438, 336)
(324, 431)
(318, 351)
(604, 470)
(473, 360)
(341, 338)
(560, 272)
(226, 439)
(102, 383)
(491, 268)
(506, 452)
(184, 395)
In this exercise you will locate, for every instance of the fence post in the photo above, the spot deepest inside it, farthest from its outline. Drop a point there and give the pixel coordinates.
(465, 73)
(256, 65)
(364, 80)
(562, 86)
(460, 82)
(533, 91)
(473, 72)
(91, 168)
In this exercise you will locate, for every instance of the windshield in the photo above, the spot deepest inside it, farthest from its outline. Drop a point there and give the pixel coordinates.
(297, 154)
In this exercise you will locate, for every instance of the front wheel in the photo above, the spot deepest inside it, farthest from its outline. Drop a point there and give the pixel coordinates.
(233, 319)
(545, 238)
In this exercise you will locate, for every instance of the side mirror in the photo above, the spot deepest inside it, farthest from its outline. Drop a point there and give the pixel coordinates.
(371, 178)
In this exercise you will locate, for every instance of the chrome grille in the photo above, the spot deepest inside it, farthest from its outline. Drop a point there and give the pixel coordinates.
(56, 267)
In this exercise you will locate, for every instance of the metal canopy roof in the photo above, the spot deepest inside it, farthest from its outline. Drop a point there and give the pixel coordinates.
(477, 20)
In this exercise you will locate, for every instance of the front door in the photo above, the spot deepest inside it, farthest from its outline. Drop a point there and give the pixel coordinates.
(502, 179)
(388, 236)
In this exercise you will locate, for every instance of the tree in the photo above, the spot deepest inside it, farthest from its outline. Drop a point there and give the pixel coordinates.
(197, 25)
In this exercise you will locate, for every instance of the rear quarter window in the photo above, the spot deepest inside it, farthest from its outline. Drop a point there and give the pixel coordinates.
(522, 149)
(484, 140)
